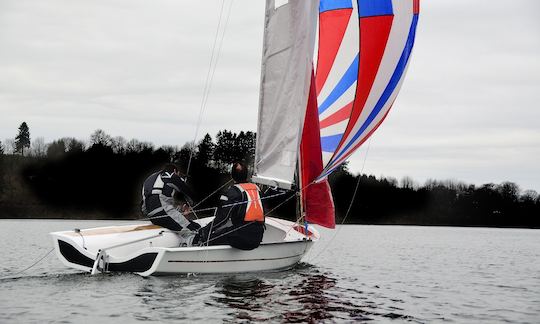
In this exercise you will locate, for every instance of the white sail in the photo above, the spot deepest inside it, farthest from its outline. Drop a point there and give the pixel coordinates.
(289, 38)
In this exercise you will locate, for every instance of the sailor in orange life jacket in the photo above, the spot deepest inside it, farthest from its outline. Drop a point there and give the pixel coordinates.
(239, 220)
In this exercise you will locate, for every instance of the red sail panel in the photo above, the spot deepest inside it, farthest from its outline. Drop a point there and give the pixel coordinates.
(374, 32)
(332, 26)
(339, 116)
(317, 199)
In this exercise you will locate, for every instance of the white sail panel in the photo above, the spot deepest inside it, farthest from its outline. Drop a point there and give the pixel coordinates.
(289, 38)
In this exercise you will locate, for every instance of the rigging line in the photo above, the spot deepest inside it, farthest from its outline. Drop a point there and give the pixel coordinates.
(281, 204)
(191, 210)
(206, 83)
(208, 239)
(246, 224)
(210, 74)
(199, 119)
(265, 214)
(211, 194)
(292, 196)
(216, 61)
(27, 268)
(229, 205)
(210, 233)
(296, 222)
(228, 232)
(218, 53)
(350, 204)
(244, 202)
(272, 196)
(212, 226)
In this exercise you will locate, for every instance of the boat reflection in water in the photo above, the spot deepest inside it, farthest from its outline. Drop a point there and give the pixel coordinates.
(302, 294)
(296, 296)
(245, 298)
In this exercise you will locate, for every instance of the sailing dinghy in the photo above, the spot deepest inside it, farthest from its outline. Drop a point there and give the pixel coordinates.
(316, 108)
(149, 249)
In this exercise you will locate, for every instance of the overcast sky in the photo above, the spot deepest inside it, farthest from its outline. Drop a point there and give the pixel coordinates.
(468, 110)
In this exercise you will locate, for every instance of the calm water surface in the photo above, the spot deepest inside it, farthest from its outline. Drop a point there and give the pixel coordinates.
(364, 273)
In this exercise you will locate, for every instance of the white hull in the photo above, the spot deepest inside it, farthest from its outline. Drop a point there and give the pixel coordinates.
(151, 250)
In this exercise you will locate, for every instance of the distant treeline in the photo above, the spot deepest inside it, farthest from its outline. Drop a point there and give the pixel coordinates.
(384, 201)
(102, 178)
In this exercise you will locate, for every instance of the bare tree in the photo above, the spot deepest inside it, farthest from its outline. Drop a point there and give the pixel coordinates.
(408, 183)
(9, 146)
(509, 190)
(136, 146)
(38, 148)
(99, 137)
(118, 144)
(529, 196)
(73, 145)
(392, 181)
(132, 146)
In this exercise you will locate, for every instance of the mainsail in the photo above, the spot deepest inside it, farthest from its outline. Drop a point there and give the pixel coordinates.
(289, 41)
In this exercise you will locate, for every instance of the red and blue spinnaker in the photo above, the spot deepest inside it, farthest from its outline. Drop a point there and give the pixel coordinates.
(363, 53)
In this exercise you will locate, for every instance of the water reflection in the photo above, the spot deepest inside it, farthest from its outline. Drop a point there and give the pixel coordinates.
(320, 299)
(247, 294)
(312, 294)
(171, 298)
(246, 298)
(300, 295)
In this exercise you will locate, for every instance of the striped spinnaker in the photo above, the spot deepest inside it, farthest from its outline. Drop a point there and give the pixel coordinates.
(363, 54)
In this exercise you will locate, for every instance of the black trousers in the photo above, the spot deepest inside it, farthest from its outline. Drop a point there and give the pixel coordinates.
(245, 238)
(161, 218)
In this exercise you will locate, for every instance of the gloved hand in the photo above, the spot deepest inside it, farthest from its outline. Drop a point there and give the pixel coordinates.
(200, 238)
(203, 234)
(184, 209)
(195, 227)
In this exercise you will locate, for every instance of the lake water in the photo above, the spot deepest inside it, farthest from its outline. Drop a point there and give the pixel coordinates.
(379, 273)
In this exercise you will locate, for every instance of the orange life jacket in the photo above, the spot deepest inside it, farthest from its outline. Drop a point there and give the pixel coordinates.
(254, 208)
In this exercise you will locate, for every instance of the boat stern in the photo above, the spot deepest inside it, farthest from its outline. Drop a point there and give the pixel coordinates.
(71, 252)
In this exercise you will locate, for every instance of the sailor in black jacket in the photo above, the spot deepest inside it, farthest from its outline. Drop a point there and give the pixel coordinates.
(239, 220)
(158, 194)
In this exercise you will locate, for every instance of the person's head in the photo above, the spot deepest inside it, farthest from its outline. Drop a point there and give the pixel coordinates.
(171, 168)
(239, 172)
